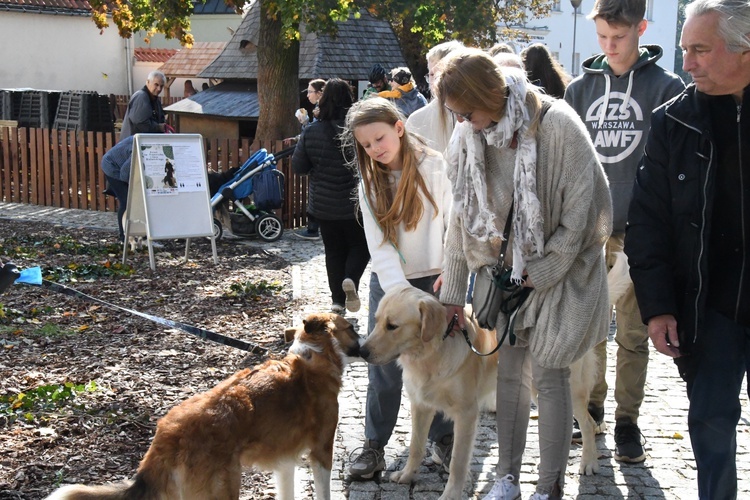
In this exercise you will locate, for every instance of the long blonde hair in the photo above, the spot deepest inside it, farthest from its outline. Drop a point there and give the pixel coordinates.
(388, 209)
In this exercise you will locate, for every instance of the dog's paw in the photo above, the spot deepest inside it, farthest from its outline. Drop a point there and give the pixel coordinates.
(589, 467)
(402, 476)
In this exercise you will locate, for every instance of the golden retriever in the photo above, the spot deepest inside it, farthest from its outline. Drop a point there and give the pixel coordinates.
(439, 374)
(584, 372)
(265, 417)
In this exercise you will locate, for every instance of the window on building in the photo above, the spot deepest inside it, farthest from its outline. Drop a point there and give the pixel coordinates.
(556, 6)
(650, 10)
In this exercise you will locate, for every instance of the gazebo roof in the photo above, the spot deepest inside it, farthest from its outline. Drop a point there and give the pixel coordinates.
(188, 63)
(360, 43)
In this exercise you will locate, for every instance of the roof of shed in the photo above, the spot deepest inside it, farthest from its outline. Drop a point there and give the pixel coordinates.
(189, 62)
(73, 7)
(83, 7)
(360, 43)
(147, 54)
(227, 100)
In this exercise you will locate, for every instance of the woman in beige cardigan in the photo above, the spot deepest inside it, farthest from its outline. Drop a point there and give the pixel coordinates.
(513, 150)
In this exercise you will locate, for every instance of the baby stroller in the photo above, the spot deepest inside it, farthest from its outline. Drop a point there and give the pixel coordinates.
(257, 177)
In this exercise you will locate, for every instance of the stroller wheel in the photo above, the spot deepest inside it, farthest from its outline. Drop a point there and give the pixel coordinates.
(269, 227)
(218, 231)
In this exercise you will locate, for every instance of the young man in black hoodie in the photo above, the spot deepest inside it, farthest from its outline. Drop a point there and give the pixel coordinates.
(615, 96)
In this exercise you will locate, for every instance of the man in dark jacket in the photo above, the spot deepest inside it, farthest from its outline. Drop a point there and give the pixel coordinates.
(688, 233)
(145, 114)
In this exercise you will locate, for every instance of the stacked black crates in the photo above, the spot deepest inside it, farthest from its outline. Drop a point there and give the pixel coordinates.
(85, 111)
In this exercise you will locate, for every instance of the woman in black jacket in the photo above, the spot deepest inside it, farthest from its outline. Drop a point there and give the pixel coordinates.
(332, 195)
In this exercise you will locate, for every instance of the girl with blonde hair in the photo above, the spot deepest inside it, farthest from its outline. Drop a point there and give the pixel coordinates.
(404, 195)
(522, 161)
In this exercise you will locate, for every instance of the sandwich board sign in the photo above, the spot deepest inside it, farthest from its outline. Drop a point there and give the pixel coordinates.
(168, 195)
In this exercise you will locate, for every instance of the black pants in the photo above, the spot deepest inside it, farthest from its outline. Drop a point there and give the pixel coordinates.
(120, 189)
(346, 254)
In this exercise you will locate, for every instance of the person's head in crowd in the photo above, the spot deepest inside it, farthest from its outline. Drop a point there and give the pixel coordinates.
(499, 48)
(508, 60)
(716, 45)
(378, 78)
(435, 55)
(155, 83)
(315, 90)
(382, 144)
(473, 87)
(544, 70)
(336, 100)
(619, 26)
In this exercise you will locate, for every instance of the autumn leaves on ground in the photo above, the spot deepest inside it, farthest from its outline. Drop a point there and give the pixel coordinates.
(82, 384)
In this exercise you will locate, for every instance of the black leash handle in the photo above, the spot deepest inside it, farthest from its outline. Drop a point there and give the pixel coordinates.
(198, 332)
(465, 333)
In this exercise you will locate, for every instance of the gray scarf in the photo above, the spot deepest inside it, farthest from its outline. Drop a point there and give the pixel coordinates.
(467, 175)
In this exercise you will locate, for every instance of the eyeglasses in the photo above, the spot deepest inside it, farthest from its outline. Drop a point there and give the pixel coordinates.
(464, 116)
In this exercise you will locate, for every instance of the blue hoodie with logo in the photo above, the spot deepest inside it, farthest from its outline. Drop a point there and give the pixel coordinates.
(616, 110)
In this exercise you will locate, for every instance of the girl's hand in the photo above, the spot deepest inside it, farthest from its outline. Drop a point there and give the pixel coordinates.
(452, 310)
(438, 283)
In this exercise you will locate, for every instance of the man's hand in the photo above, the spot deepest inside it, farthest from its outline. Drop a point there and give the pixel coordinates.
(663, 332)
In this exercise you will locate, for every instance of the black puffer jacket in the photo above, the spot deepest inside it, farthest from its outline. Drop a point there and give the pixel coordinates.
(332, 192)
(669, 220)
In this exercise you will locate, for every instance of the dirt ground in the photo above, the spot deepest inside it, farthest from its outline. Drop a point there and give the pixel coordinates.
(82, 384)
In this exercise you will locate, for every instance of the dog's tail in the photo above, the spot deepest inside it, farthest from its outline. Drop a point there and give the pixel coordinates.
(618, 278)
(128, 490)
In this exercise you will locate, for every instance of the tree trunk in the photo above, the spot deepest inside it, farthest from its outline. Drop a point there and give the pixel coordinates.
(278, 82)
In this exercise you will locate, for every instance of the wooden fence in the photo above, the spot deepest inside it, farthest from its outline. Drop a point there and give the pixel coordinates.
(59, 168)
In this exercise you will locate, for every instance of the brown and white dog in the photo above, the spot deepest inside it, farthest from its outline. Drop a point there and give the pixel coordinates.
(266, 417)
(439, 374)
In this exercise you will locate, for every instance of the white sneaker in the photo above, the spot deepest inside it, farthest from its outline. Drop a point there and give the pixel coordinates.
(539, 496)
(352, 299)
(504, 489)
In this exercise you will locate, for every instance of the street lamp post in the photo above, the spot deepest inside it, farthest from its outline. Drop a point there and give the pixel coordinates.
(575, 4)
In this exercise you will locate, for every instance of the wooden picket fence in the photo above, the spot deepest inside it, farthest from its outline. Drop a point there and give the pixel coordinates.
(59, 168)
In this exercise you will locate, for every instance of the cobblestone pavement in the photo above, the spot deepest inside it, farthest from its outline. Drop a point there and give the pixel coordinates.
(668, 472)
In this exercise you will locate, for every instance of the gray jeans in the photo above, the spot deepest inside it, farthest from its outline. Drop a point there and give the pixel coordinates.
(384, 388)
(516, 369)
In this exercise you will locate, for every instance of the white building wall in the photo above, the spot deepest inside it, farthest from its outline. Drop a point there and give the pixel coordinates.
(58, 52)
(558, 35)
(204, 28)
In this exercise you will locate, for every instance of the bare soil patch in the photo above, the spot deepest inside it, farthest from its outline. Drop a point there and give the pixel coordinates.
(123, 372)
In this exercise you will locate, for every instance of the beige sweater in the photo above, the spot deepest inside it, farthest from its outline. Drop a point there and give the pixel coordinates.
(568, 311)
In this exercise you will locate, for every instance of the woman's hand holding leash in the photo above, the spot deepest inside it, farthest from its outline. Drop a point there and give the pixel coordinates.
(452, 311)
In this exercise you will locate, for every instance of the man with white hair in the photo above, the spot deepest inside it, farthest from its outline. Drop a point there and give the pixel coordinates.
(144, 113)
(687, 236)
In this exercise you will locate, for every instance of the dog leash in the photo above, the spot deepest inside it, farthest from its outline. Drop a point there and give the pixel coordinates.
(465, 333)
(198, 332)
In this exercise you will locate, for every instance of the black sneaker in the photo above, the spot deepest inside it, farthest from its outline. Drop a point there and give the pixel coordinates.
(368, 463)
(628, 442)
(597, 413)
(442, 452)
(306, 235)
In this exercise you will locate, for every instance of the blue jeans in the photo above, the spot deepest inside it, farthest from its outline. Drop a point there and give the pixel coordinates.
(384, 388)
(120, 189)
(722, 358)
